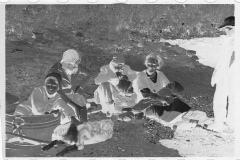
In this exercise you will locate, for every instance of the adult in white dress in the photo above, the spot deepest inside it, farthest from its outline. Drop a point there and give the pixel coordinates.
(223, 77)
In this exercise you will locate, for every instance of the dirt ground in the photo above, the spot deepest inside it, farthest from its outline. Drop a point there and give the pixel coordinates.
(27, 64)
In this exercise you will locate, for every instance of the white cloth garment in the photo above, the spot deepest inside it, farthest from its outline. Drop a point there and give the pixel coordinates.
(70, 56)
(223, 77)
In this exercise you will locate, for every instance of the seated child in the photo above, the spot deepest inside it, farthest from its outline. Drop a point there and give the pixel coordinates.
(49, 97)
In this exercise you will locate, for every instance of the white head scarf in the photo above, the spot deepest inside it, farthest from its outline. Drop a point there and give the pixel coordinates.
(70, 56)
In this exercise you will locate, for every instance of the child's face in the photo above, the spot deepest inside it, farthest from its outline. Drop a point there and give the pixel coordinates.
(152, 64)
(70, 68)
(51, 85)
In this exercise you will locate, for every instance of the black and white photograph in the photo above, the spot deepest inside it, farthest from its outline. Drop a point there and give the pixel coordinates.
(120, 80)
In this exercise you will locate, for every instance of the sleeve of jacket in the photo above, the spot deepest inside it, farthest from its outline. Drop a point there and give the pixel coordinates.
(82, 81)
(103, 76)
(38, 102)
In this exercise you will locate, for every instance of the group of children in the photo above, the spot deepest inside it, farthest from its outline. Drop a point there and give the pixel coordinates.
(120, 90)
(119, 87)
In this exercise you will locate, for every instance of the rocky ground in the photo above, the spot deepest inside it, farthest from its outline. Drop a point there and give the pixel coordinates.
(33, 47)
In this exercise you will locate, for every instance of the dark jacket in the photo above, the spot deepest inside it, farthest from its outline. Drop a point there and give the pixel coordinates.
(78, 80)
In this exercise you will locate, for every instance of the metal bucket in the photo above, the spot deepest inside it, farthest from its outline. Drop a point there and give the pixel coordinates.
(38, 127)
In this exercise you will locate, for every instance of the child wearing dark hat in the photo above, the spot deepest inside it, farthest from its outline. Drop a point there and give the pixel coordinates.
(49, 97)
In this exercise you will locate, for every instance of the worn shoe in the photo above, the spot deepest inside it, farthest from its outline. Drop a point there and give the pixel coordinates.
(215, 127)
(184, 125)
(124, 110)
(139, 116)
(128, 116)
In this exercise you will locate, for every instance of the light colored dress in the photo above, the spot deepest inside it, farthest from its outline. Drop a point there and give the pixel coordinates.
(224, 76)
